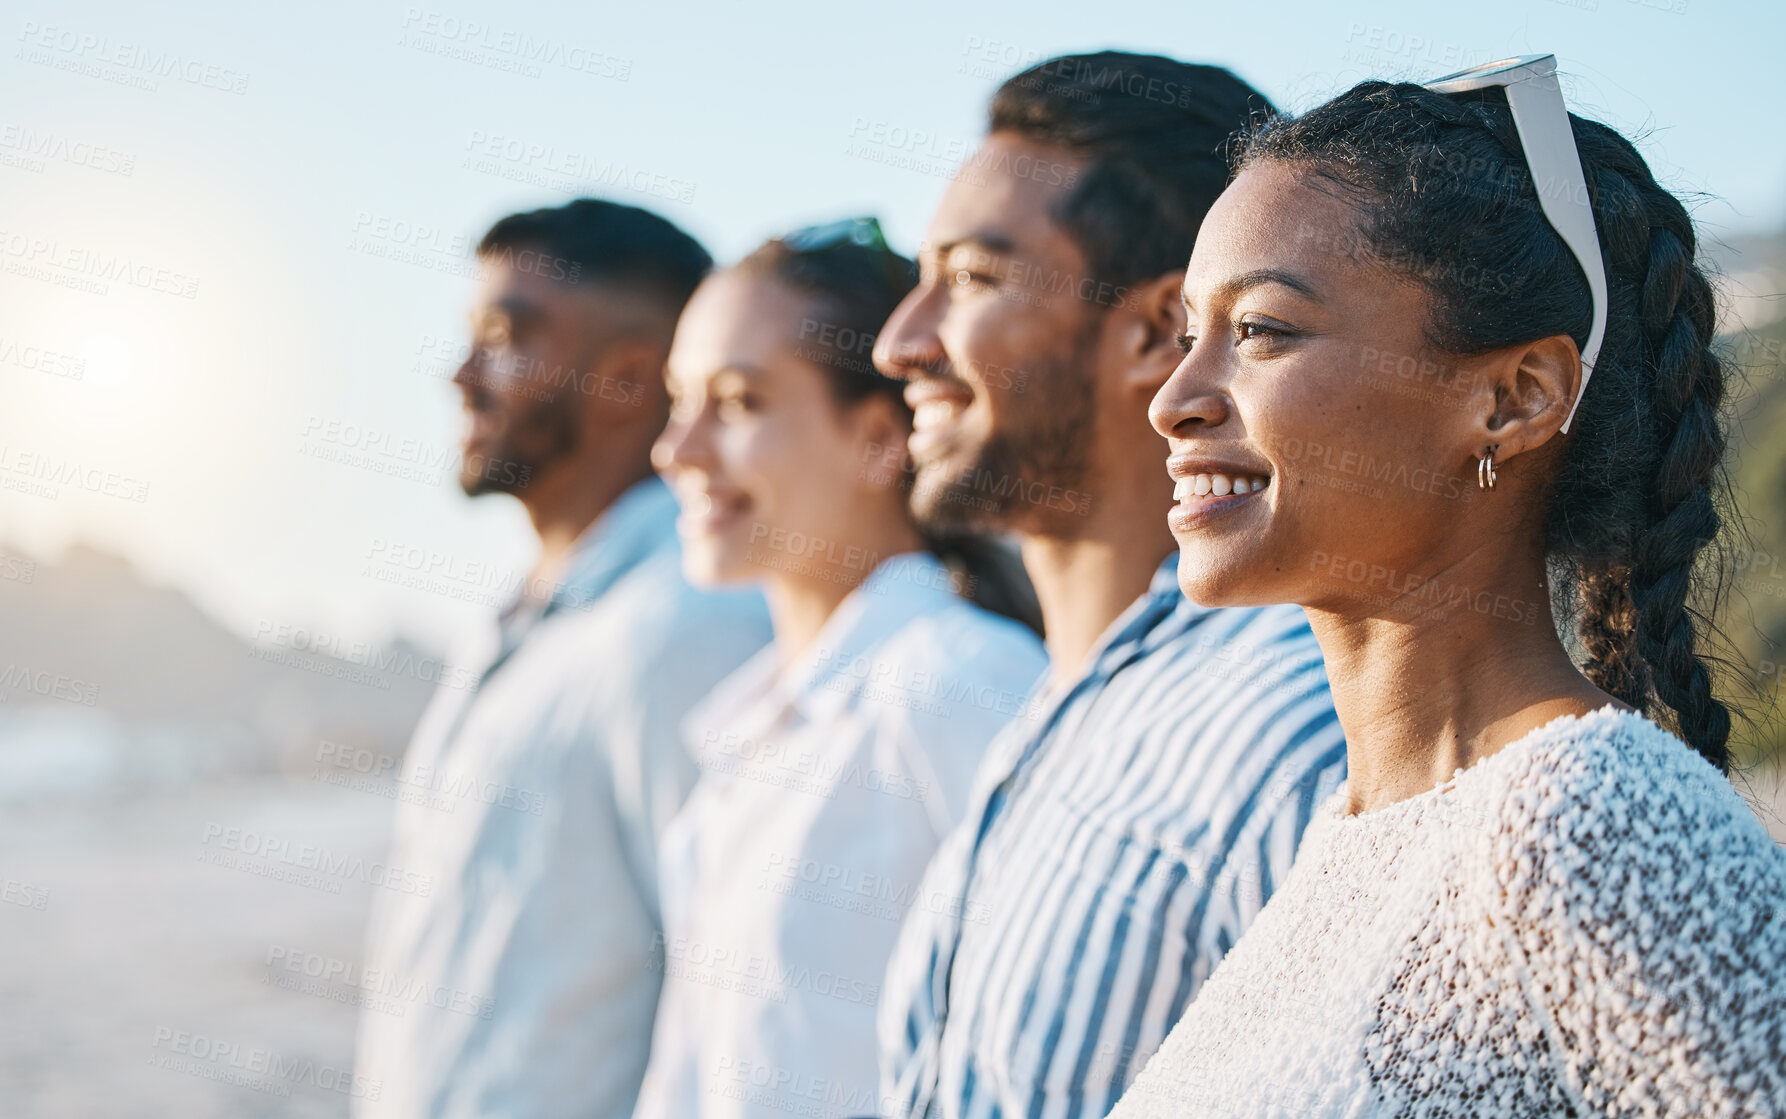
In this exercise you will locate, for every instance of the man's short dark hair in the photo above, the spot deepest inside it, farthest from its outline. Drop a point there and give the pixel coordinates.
(1154, 132)
(592, 240)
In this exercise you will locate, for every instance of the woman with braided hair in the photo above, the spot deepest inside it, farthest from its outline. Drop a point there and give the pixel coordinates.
(1537, 893)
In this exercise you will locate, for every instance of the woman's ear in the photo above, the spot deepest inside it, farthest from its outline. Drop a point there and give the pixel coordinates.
(1155, 319)
(1525, 394)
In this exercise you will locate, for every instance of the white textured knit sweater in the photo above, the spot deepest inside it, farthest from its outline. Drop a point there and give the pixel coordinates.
(1589, 922)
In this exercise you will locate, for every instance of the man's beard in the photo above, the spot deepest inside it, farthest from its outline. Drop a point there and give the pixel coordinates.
(535, 437)
(1030, 474)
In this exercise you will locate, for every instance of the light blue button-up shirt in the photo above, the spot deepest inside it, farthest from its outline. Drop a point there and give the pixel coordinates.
(1116, 847)
(827, 783)
(516, 980)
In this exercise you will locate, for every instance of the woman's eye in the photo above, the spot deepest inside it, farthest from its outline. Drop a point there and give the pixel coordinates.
(1185, 342)
(732, 408)
(966, 278)
(1249, 329)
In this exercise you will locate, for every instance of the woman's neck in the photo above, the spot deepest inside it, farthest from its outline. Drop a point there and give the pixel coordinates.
(1423, 691)
(804, 591)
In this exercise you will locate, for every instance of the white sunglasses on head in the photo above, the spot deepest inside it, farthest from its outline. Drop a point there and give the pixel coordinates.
(1542, 122)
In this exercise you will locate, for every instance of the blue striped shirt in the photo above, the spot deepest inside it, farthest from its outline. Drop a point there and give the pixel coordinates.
(1117, 845)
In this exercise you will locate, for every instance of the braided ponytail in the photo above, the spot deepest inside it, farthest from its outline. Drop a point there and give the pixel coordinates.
(1676, 321)
(1636, 509)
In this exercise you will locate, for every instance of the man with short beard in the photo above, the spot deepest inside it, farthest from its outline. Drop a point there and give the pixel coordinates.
(1125, 835)
(524, 966)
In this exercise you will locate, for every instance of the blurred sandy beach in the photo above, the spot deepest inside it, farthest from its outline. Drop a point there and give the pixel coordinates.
(167, 974)
(148, 977)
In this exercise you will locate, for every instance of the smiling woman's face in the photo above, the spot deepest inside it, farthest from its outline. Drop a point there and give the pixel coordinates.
(771, 472)
(1323, 451)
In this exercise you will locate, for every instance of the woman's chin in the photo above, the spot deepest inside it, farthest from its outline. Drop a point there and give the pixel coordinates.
(711, 568)
(1208, 581)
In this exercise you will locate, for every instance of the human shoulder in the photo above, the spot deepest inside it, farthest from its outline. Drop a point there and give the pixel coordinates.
(653, 615)
(954, 634)
(1265, 645)
(1612, 785)
(1230, 679)
(651, 643)
(958, 671)
(943, 684)
(1649, 906)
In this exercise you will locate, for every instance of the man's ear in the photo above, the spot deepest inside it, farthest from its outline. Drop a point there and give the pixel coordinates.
(1524, 395)
(626, 378)
(1153, 318)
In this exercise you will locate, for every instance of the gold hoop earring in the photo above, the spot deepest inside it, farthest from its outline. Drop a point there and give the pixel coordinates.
(1485, 469)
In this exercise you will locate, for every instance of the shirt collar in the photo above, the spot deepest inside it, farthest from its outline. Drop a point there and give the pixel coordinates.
(1122, 637)
(640, 522)
(899, 590)
(637, 524)
(1165, 578)
(838, 663)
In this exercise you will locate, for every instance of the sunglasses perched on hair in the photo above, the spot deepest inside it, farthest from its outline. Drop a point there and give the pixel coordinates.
(1542, 122)
(862, 233)
(850, 231)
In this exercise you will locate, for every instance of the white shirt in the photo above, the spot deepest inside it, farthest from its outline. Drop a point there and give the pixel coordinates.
(825, 788)
(1589, 922)
(512, 973)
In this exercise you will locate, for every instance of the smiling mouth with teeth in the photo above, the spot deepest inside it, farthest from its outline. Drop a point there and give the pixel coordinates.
(1217, 485)
(935, 413)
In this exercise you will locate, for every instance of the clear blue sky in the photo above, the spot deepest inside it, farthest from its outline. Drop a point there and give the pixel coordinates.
(258, 169)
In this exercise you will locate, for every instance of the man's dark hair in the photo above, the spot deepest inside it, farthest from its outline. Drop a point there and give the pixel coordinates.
(1154, 133)
(592, 240)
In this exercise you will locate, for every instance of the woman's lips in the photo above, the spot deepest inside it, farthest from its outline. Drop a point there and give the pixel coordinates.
(1221, 485)
(704, 514)
(1205, 494)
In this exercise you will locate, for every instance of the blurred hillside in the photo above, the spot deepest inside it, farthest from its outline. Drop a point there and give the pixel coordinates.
(109, 683)
(1754, 616)
(1752, 267)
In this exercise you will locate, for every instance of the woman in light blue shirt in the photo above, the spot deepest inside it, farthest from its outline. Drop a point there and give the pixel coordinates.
(835, 761)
